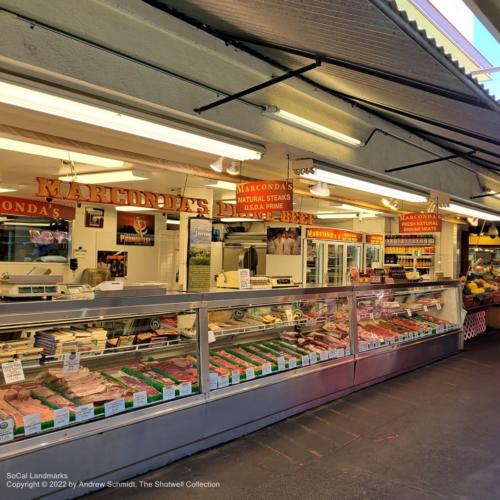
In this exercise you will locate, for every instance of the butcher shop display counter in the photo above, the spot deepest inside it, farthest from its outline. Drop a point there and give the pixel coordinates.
(152, 379)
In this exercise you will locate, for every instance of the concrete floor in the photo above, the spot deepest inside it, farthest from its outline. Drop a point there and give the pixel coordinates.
(432, 433)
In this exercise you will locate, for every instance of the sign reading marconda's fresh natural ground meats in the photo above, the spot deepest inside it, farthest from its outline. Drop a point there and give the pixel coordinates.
(420, 223)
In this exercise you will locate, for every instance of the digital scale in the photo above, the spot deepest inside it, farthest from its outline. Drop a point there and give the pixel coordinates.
(230, 279)
(282, 281)
(30, 286)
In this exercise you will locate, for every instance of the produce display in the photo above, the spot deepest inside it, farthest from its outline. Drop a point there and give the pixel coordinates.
(479, 286)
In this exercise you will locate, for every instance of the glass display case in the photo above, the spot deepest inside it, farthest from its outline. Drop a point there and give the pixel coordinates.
(62, 373)
(394, 315)
(249, 342)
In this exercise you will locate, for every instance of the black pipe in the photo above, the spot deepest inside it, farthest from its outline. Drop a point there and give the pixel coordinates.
(428, 162)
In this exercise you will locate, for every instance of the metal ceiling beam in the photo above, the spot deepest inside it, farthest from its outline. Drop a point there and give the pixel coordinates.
(429, 162)
(260, 86)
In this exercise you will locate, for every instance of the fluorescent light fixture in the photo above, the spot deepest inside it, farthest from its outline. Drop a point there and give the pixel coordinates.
(62, 107)
(360, 185)
(7, 190)
(174, 222)
(229, 202)
(309, 126)
(26, 224)
(128, 208)
(471, 212)
(105, 177)
(320, 189)
(346, 216)
(230, 186)
(58, 154)
(218, 165)
(239, 219)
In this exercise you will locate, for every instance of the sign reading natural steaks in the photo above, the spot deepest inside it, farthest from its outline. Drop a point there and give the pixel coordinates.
(264, 196)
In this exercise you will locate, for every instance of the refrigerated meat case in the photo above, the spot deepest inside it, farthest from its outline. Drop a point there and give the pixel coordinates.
(179, 373)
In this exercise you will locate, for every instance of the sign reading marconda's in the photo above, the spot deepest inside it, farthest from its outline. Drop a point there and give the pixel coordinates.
(95, 193)
(327, 233)
(264, 196)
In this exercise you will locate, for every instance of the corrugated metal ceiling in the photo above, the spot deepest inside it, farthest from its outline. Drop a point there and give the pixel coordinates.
(359, 32)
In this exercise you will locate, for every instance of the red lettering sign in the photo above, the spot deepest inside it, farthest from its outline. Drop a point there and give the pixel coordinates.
(420, 223)
(327, 233)
(31, 208)
(264, 196)
(375, 239)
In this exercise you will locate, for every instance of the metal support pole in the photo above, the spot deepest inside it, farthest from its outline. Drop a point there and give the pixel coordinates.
(428, 162)
(260, 86)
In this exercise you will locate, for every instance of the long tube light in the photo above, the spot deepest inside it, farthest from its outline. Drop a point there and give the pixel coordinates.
(104, 177)
(229, 186)
(360, 185)
(471, 212)
(36, 100)
(126, 208)
(346, 216)
(309, 126)
(59, 154)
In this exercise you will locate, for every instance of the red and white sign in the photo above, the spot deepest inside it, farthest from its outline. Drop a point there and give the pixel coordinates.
(420, 223)
(326, 233)
(375, 239)
(264, 196)
(31, 208)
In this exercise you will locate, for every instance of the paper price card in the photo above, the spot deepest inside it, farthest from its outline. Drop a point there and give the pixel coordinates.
(32, 424)
(185, 388)
(13, 371)
(438, 306)
(211, 336)
(213, 380)
(140, 399)
(250, 373)
(426, 309)
(323, 356)
(61, 417)
(280, 360)
(292, 363)
(168, 392)
(331, 353)
(235, 377)
(266, 369)
(6, 430)
(116, 406)
(305, 360)
(313, 358)
(71, 362)
(223, 381)
(84, 412)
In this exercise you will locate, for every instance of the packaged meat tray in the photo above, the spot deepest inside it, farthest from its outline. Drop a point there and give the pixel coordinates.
(126, 377)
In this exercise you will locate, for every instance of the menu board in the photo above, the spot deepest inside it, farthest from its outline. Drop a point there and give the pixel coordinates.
(198, 259)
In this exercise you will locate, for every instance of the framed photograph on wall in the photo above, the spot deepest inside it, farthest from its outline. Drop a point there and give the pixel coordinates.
(283, 240)
(94, 217)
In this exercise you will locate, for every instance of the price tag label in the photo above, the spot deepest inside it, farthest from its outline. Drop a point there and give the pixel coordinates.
(168, 392)
(280, 360)
(214, 380)
(250, 373)
(266, 369)
(372, 316)
(305, 360)
(140, 399)
(211, 336)
(339, 353)
(323, 356)
(426, 309)
(347, 351)
(32, 424)
(71, 362)
(235, 377)
(13, 371)
(331, 353)
(116, 406)
(6, 430)
(313, 358)
(438, 306)
(84, 412)
(223, 381)
(185, 389)
(292, 363)
(61, 417)
(244, 275)
(408, 311)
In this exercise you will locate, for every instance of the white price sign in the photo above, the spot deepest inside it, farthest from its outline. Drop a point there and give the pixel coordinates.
(223, 381)
(32, 424)
(292, 363)
(71, 362)
(438, 306)
(408, 311)
(185, 389)
(168, 392)
(323, 356)
(114, 407)
(313, 358)
(244, 275)
(426, 309)
(266, 369)
(211, 336)
(305, 360)
(61, 417)
(213, 379)
(6, 430)
(140, 399)
(235, 377)
(280, 360)
(84, 412)
(13, 371)
(250, 373)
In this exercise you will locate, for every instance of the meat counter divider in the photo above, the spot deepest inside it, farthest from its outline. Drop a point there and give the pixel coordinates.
(150, 437)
